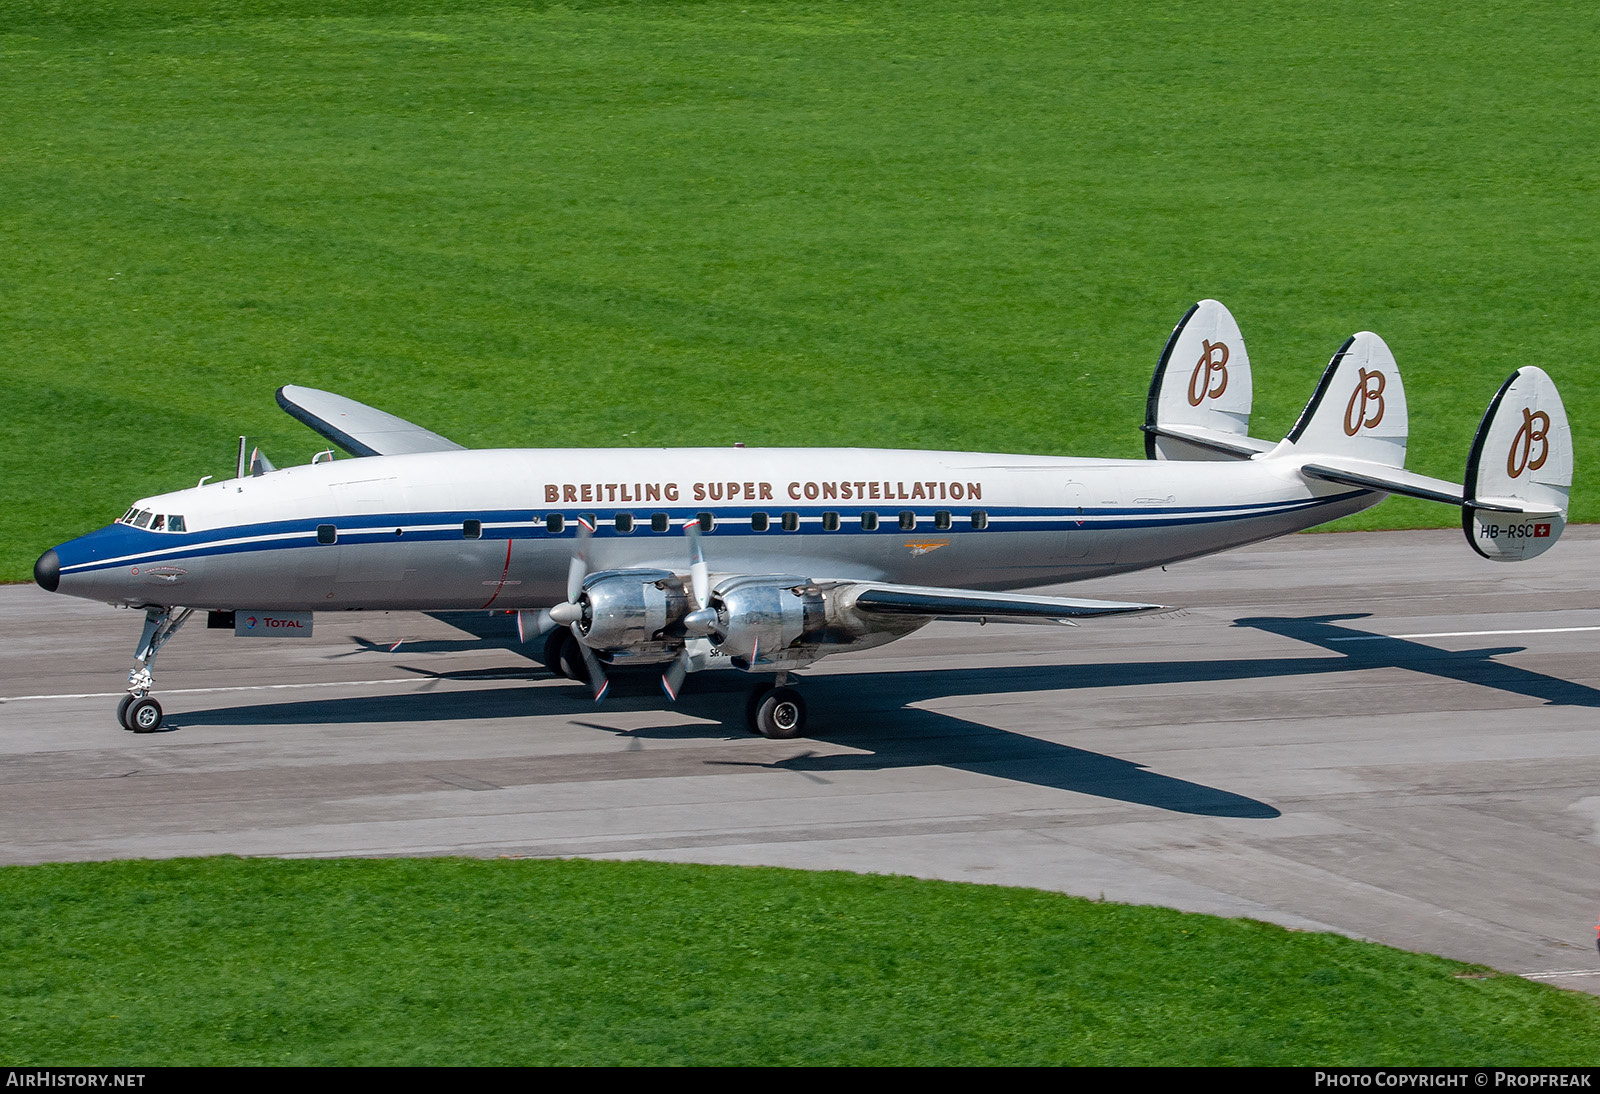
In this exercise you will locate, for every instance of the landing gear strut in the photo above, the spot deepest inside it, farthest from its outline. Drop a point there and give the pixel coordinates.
(776, 710)
(137, 710)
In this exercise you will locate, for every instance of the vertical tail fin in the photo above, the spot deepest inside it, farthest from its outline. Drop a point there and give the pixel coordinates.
(1519, 471)
(1359, 408)
(1199, 403)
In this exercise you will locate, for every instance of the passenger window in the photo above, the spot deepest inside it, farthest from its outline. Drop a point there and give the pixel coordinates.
(660, 522)
(980, 519)
(590, 519)
(830, 522)
(760, 522)
(908, 520)
(869, 521)
(472, 529)
(941, 520)
(791, 522)
(708, 523)
(327, 533)
(175, 524)
(554, 523)
(624, 523)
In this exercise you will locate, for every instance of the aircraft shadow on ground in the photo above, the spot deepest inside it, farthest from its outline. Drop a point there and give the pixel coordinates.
(891, 732)
(1359, 649)
(889, 736)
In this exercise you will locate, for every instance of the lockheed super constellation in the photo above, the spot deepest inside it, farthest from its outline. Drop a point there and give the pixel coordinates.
(766, 560)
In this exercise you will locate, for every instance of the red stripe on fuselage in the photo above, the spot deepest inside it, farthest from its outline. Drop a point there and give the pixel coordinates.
(504, 570)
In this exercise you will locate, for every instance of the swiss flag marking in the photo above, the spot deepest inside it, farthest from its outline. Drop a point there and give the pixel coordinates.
(1541, 531)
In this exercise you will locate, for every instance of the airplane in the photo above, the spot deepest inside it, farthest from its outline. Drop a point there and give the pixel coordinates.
(788, 555)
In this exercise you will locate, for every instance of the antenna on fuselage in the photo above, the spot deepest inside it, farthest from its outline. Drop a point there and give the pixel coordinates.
(253, 463)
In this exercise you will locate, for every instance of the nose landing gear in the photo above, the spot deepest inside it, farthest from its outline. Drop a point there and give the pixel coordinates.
(138, 711)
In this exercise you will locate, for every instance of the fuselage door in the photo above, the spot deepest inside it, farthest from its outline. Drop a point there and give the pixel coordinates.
(369, 551)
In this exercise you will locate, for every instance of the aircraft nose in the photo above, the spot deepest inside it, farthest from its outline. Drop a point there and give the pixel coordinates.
(47, 571)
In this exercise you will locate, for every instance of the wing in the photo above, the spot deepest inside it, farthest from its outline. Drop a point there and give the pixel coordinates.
(873, 598)
(358, 428)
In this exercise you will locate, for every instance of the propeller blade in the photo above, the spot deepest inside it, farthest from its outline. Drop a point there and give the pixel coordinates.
(699, 578)
(578, 568)
(692, 658)
(672, 679)
(597, 675)
(531, 625)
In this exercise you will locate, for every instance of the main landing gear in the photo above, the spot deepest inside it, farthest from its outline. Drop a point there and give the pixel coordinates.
(562, 657)
(137, 710)
(773, 709)
(776, 710)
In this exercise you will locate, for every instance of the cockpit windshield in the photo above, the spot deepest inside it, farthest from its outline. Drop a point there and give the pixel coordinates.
(155, 522)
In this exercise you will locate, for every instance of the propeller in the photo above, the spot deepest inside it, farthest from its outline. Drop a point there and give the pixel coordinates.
(571, 612)
(698, 623)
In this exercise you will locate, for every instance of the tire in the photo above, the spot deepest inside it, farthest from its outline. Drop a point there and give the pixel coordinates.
(122, 712)
(570, 663)
(781, 714)
(752, 706)
(553, 644)
(144, 715)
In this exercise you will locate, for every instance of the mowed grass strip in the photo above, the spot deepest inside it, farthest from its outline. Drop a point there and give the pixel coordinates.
(452, 961)
(946, 224)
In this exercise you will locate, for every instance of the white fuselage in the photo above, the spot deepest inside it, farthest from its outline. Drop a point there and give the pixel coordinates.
(473, 529)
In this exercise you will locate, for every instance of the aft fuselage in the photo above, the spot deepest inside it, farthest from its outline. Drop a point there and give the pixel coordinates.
(495, 529)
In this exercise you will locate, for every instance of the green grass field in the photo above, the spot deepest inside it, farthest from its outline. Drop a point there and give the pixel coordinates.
(932, 224)
(451, 961)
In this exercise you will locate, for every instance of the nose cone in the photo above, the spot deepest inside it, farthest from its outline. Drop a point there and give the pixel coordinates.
(47, 571)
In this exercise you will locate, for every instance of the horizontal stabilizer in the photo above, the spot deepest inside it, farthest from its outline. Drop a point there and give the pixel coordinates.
(1229, 444)
(965, 604)
(358, 428)
(1391, 480)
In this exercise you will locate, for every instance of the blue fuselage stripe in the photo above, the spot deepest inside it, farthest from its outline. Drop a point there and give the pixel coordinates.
(119, 545)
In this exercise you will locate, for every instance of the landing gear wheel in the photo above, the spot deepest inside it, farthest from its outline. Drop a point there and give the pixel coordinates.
(781, 714)
(752, 705)
(144, 715)
(554, 642)
(571, 662)
(562, 656)
(122, 712)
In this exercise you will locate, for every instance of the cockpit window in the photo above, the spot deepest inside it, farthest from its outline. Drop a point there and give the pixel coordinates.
(127, 518)
(159, 523)
(175, 523)
(142, 518)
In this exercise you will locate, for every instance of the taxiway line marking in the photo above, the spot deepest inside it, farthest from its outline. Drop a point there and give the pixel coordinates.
(1555, 975)
(238, 687)
(1463, 634)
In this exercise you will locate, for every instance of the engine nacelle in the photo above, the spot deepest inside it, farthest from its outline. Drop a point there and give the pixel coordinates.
(760, 618)
(633, 615)
(776, 621)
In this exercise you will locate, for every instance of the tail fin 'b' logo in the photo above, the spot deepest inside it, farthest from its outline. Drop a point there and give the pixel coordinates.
(1209, 365)
(1369, 390)
(1518, 459)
